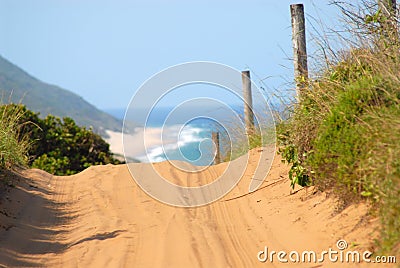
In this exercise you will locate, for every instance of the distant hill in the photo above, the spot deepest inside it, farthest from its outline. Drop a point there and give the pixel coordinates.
(50, 99)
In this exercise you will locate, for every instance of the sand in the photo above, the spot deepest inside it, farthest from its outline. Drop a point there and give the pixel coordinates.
(101, 218)
(152, 138)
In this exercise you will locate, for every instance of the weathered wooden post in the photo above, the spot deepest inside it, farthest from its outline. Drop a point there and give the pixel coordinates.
(299, 46)
(215, 139)
(248, 102)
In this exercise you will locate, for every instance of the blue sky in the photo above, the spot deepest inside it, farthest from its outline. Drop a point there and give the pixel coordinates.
(104, 50)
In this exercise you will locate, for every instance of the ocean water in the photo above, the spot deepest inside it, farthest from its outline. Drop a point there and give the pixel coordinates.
(185, 134)
(172, 138)
(189, 142)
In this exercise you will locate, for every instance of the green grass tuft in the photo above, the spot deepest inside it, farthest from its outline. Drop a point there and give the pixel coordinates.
(13, 148)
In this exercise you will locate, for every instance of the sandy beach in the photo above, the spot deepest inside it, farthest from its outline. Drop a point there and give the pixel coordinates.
(101, 218)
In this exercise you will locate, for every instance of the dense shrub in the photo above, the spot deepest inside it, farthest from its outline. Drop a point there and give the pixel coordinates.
(59, 146)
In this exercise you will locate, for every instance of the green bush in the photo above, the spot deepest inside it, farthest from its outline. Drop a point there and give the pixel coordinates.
(59, 146)
(344, 135)
(339, 143)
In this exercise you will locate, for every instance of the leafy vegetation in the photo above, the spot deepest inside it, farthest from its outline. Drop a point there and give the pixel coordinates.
(344, 131)
(57, 146)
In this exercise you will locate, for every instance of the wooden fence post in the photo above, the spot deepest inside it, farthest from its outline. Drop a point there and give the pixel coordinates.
(299, 46)
(248, 102)
(215, 139)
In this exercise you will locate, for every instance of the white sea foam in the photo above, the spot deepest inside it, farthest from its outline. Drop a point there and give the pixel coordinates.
(153, 143)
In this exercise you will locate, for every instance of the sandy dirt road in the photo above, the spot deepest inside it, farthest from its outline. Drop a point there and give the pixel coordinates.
(101, 218)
